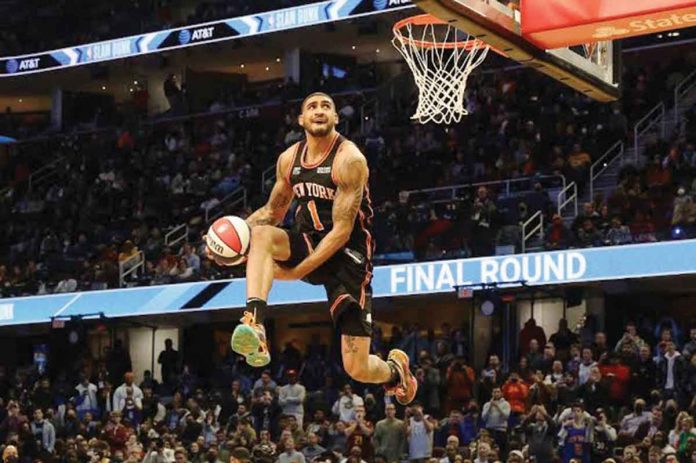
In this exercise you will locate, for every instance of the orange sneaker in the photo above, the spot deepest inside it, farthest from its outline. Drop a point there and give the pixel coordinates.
(249, 340)
(405, 390)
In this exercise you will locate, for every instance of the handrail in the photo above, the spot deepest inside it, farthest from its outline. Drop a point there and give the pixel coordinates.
(681, 89)
(231, 200)
(507, 182)
(130, 266)
(654, 116)
(601, 164)
(268, 175)
(538, 228)
(564, 199)
(44, 172)
(169, 241)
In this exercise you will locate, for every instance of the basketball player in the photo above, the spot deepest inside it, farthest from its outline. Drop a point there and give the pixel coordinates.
(330, 244)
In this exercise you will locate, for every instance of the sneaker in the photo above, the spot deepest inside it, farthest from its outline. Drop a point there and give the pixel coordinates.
(249, 340)
(405, 390)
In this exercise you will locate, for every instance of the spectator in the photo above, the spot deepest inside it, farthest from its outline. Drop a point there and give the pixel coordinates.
(631, 338)
(690, 347)
(291, 398)
(86, 398)
(541, 435)
(359, 434)
(289, 454)
(618, 233)
(516, 393)
(484, 454)
(531, 331)
(44, 433)
(265, 383)
(115, 433)
(419, 430)
(534, 357)
(672, 369)
(563, 339)
(575, 436)
(603, 438)
(483, 216)
(390, 437)
(460, 381)
(585, 366)
(495, 415)
(126, 391)
(192, 259)
(346, 405)
(312, 449)
(633, 421)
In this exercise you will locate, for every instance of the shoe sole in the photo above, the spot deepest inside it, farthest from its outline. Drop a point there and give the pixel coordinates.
(405, 362)
(246, 342)
(258, 360)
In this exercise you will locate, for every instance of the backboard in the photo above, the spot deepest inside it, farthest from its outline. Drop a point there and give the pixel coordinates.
(593, 69)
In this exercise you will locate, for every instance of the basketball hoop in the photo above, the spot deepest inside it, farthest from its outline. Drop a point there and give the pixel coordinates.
(441, 63)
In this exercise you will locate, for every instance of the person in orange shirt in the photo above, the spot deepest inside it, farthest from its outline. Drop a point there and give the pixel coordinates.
(460, 381)
(516, 392)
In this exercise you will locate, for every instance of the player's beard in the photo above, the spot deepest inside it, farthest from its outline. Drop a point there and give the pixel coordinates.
(320, 131)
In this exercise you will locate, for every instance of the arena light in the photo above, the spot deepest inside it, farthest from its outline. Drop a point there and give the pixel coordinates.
(277, 60)
(103, 87)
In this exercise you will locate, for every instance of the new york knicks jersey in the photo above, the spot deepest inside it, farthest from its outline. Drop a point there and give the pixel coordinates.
(314, 188)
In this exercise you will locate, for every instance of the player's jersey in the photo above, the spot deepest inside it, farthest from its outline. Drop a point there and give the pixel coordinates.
(315, 189)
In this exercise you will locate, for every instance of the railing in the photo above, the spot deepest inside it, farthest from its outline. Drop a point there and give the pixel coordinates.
(653, 117)
(452, 192)
(130, 266)
(268, 176)
(681, 90)
(176, 235)
(565, 200)
(533, 225)
(232, 200)
(45, 172)
(600, 165)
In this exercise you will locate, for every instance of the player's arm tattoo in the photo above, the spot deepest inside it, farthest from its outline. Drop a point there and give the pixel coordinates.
(349, 346)
(353, 173)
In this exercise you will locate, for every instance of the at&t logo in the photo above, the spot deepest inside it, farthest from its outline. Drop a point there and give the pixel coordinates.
(12, 66)
(382, 4)
(184, 36)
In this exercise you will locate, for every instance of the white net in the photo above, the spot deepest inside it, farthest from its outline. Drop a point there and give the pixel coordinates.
(441, 58)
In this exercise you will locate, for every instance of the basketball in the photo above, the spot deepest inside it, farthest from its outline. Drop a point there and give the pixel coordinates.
(228, 237)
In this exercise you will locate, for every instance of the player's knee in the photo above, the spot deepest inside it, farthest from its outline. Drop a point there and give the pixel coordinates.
(356, 369)
(262, 236)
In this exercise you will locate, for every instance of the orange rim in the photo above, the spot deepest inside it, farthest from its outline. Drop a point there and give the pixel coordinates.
(428, 19)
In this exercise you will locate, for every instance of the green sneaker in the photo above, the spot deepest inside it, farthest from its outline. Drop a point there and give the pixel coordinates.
(249, 340)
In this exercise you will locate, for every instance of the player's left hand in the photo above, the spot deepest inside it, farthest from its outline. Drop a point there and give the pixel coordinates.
(288, 274)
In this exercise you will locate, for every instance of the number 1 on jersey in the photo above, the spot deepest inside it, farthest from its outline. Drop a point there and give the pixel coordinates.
(318, 226)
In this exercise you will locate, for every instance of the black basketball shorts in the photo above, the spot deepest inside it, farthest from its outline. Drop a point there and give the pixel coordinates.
(346, 276)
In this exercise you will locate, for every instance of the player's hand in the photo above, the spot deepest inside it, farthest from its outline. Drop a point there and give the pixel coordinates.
(284, 273)
(222, 261)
